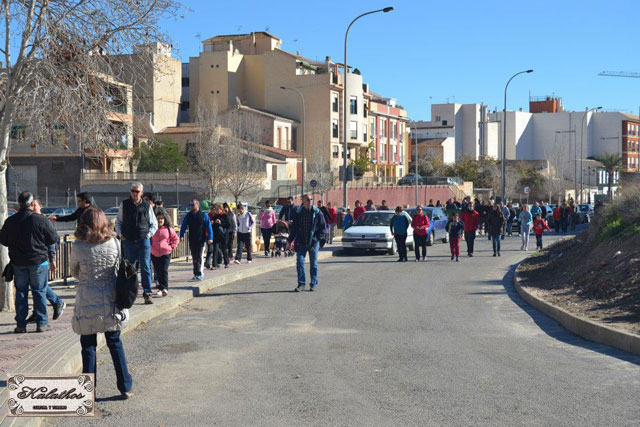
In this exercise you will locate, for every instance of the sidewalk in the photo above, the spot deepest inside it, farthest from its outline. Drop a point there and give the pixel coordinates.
(58, 350)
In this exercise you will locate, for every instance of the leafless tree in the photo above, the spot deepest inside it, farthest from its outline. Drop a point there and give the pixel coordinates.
(56, 56)
(246, 173)
(559, 156)
(319, 166)
(208, 152)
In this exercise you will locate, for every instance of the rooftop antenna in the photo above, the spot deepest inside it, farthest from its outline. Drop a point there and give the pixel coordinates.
(198, 36)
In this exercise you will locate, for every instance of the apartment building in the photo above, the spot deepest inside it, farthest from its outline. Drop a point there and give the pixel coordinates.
(251, 69)
(51, 168)
(388, 136)
(156, 78)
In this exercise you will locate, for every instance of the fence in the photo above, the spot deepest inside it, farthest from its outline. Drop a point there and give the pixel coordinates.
(63, 257)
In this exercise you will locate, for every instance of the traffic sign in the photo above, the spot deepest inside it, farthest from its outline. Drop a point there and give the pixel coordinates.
(313, 183)
(526, 190)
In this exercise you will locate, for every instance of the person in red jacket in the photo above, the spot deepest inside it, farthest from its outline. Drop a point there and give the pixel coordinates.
(471, 220)
(359, 210)
(420, 224)
(557, 219)
(539, 225)
(333, 220)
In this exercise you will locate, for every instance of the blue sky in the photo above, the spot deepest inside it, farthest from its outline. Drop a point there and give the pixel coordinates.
(428, 51)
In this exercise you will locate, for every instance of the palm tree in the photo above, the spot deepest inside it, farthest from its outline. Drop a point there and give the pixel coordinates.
(611, 162)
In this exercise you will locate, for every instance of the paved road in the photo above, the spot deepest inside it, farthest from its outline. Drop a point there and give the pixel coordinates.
(380, 343)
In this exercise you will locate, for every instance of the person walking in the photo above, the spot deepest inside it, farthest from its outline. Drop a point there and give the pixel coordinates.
(231, 232)
(84, 201)
(95, 257)
(200, 232)
(162, 244)
(471, 221)
(535, 209)
(565, 216)
(384, 207)
(307, 233)
(506, 214)
(526, 221)
(244, 221)
(420, 224)
(455, 228)
(399, 227)
(267, 219)
(539, 226)
(495, 221)
(348, 220)
(510, 220)
(287, 210)
(29, 237)
(430, 205)
(220, 227)
(369, 206)
(483, 211)
(359, 210)
(333, 221)
(136, 223)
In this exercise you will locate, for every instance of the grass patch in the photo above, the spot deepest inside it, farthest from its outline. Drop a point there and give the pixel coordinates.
(537, 254)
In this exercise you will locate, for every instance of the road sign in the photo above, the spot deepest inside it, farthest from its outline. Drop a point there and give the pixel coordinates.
(526, 190)
(313, 183)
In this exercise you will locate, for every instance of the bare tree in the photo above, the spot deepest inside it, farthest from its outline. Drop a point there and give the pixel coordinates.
(559, 156)
(56, 54)
(246, 173)
(319, 166)
(208, 151)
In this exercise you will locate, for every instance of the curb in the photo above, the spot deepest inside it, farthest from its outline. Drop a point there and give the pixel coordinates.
(587, 329)
(62, 353)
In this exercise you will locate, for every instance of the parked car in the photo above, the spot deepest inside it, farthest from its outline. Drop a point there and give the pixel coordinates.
(437, 223)
(56, 211)
(585, 213)
(111, 212)
(410, 179)
(372, 231)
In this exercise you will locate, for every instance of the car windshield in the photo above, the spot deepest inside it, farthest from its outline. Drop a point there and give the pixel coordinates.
(374, 219)
(47, 211)
(584, 207)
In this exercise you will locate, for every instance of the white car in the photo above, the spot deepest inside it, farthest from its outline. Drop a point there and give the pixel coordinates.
(372, 231)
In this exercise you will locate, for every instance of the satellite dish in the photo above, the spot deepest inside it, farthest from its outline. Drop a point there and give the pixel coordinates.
(238, 101)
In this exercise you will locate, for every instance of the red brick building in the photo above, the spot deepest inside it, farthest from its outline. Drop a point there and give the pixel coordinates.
(387, 123)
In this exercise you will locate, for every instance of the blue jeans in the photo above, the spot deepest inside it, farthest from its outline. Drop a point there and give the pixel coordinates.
(140, 252)
(301, 252)
(32, 277)
(52, 297)
(495, 239)
(509, 227)
(89, 342)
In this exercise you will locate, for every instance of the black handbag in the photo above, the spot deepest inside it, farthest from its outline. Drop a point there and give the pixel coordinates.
(8, 273)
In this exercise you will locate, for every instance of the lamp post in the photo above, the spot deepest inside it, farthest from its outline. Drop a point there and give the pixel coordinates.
(415, 144)
(504, 136)
(177, 191)
(584, 116)
(345, 148)
(304, 130)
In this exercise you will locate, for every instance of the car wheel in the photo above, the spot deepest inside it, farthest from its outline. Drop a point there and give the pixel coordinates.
(431, 239)
(392, 251)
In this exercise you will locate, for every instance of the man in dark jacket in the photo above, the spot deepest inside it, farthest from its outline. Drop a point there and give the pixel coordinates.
(84, 201)
(136, 223)
(308, 232)
(29, 237)
(287, 210)
(199, 227)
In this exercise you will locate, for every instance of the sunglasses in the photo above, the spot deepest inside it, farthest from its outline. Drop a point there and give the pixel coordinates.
(193, 204)
(135, 191)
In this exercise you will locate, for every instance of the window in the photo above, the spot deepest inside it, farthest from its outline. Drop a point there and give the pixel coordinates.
(335, 151)
(353, 130)
(364, 132)
(279, 140)
(394, 130)
(393, 153)
(287, 140)
(334, 128)
(335, 102)
(444, 123)
(184, 105)
(364, 109)
(383, 125)
(18, 132)
(185, 82)
(274, 172)
(373, 128)
(383, 151)
(438, 118)
(354, 105)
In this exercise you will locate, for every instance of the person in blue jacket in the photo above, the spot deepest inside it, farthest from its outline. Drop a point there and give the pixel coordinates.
(200, 232)
(348, 220)
(399, 226)
(308, 234)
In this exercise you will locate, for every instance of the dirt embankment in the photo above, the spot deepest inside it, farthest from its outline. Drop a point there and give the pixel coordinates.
(594, 277)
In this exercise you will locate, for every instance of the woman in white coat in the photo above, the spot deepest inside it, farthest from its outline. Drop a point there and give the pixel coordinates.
(95, 257)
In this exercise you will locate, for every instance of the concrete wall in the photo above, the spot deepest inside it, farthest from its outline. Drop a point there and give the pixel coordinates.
(167, 91)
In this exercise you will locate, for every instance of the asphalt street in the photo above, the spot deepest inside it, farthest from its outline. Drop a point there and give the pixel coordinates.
(380, 343)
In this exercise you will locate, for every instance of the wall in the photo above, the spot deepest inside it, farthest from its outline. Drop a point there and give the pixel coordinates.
(54, 173)
(167, 90)
(393, 195)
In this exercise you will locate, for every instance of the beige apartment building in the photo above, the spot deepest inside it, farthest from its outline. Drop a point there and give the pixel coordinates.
(250, 69)
(156, 80)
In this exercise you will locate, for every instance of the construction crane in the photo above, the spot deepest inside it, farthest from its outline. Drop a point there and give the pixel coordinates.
(619, 74)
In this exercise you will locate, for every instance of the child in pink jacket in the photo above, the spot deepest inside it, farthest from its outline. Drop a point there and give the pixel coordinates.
(163, 242)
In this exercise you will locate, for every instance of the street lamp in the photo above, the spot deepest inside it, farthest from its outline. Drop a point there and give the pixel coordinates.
(177, 191)
(415, 144)
(304, 130)
(504, 136)
(344, 105)
(584, 116)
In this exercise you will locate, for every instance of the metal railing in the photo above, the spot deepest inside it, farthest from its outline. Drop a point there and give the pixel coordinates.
(63, 257)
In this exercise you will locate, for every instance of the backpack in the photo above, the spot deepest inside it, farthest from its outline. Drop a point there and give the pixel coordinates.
(126, 283)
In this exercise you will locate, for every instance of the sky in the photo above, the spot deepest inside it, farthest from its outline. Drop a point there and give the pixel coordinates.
(461, 51)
